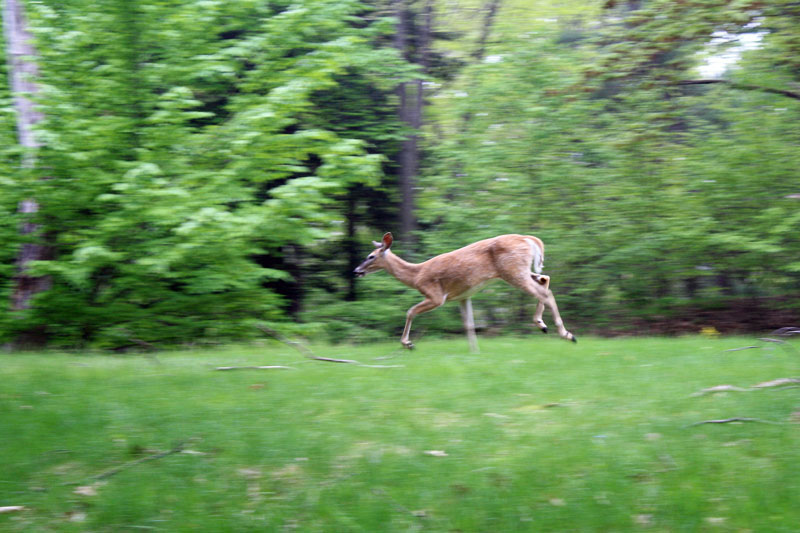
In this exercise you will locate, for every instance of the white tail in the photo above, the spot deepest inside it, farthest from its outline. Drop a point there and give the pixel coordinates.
(459, 274)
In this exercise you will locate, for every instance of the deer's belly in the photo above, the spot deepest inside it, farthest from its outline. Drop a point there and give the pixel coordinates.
(462, 293)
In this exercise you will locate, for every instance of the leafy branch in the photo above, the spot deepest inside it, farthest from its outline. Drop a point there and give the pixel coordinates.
(742, 86)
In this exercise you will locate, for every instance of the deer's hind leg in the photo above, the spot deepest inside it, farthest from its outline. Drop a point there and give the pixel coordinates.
(545, 296)
(537, 316)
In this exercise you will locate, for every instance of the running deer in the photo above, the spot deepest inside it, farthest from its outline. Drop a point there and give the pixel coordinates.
(459, 274)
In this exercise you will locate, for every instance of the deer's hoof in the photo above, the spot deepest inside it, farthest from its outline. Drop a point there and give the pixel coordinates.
(544, 329)
(408, 345)
(574, 339)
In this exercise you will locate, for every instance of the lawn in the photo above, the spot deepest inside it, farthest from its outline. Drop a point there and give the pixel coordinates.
(533, 434)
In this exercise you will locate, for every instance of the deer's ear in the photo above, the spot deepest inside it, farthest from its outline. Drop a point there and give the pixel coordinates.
(377, 244)
(387, 240)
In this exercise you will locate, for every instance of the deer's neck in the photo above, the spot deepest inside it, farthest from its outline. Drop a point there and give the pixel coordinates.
(402, 270)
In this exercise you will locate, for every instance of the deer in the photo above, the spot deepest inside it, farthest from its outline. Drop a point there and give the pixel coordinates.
(460, 274)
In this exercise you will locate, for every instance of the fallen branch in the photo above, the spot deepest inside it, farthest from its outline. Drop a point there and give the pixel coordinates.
(785, 345)
(352, 362)
(786, 332)
(266, 367)
(178, 448)
(300, 347)
(308, 354)
(392, 355)
(332, 360)
(734, 419)
(720, 388)
(786, 383)
(782, 332)
(780, 382)
(12, 508)
(303, 349)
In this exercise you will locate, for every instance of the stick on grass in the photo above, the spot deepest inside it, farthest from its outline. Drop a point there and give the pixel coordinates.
(307, 353)
(178, 448)
(734, 419)
(263, 367)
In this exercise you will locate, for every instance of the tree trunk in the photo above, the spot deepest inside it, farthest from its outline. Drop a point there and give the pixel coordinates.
(23, 72)
(490, 11)
(412, 104)
(409, 164)
(351, 245)
(408, 157)
(490, 8)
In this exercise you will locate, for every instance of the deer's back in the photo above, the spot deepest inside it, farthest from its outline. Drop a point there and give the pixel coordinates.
(459, 272)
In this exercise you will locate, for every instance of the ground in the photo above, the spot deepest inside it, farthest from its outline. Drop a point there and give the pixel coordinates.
(533, 434)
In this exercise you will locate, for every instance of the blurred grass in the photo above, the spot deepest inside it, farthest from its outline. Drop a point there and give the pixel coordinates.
(539, 435)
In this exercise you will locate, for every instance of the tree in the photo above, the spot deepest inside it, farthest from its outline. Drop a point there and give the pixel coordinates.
(412, 40)
(23, 73)
(186, 162)
(583, 135)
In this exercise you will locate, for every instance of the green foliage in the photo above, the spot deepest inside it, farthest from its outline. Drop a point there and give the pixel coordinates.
(179, 147)
(211, 165)
(9, 154)
(647, 194)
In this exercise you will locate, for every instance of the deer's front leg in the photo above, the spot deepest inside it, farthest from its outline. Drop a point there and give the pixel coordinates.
(424, 306)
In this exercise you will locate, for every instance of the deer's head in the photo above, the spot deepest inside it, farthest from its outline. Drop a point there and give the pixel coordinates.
(375, 260)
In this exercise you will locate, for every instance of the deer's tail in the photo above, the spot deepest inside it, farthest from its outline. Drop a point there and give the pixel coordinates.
(538, 256)
(538, 262)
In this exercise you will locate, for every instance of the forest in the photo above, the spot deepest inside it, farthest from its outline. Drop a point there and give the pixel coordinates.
(193, 171)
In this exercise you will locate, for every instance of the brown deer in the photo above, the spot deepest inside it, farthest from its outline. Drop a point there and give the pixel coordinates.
(459, 274)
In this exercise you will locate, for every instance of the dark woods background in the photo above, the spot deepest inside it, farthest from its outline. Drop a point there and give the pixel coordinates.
(203, 167)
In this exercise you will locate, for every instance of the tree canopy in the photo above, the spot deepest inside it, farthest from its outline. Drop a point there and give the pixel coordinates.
(208, 166)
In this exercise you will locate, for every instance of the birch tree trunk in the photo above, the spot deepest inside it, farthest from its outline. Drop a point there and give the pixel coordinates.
(23, 71)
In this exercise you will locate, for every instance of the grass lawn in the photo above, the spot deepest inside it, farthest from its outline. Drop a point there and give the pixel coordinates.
(533, 434)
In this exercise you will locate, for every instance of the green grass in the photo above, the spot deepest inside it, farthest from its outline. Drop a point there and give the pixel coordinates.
(539, 435)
